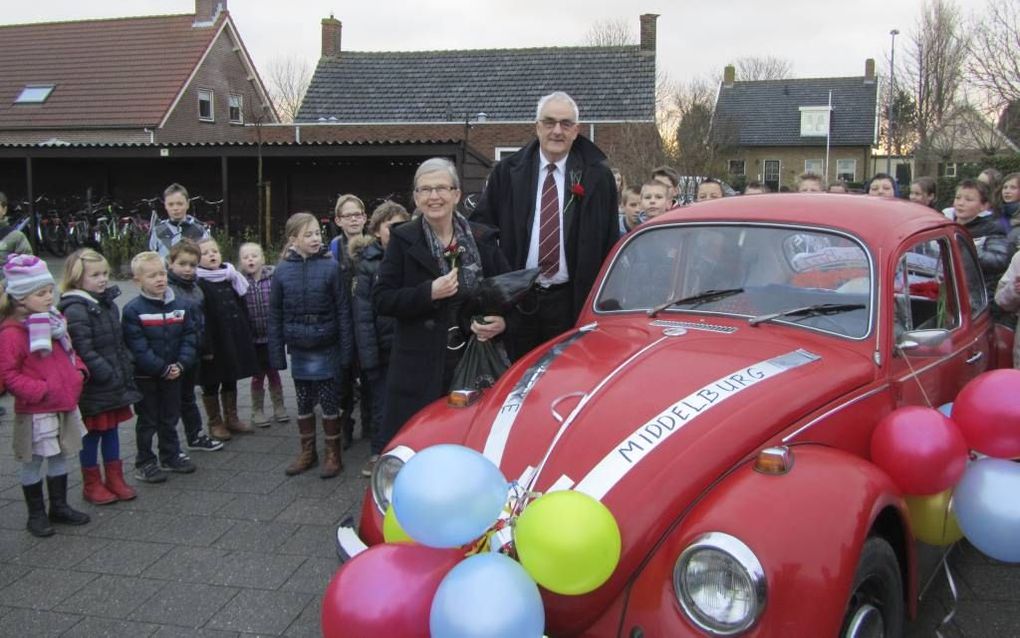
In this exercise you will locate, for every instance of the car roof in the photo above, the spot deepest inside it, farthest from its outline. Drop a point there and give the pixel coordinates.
(873, 219)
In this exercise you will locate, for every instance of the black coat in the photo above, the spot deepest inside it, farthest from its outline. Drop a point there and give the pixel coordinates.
(227, 336)
(373, 332)
(94, 326)
(993, 249)
(403, 290)
(590, 230)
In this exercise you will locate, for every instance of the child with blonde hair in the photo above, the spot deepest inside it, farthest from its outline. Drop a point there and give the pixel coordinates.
(260, 280)
(40, 368)
(93, 321)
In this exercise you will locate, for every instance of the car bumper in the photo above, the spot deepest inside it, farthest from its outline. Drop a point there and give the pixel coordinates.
(348, 543)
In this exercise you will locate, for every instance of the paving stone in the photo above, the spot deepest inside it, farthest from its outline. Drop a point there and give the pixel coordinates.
(197, 503)
(307, 485)
(311, 511)
(309, 623)
(192, 530)
(256, 507)
(15, 541)
(90, 627)
(256, 536)
(60, 552)
(203, 479)
(127, 558)
(43, 588)
(260, 611)
(184, 632)
(312, 540)
(214, 460)
(189, 564)
(256, 462)
(129, 525)
(311, 577)
(36, 623)
(254, 570)
(112, 596)
(186, 604)
(249, 482)
(13, 514)
(10, 573)
(256, 443)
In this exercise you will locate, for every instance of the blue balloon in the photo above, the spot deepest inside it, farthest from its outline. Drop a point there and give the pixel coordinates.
(946, 409)
(987, 508)
(487, 596)
(448, 495)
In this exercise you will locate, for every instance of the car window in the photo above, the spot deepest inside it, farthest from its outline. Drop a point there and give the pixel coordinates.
(972, 276)
(923, 293)
(777, 268)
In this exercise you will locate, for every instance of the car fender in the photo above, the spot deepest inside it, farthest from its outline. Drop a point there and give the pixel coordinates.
(805, 527)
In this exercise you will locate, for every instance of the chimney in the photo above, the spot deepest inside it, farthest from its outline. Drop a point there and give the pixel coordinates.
(869, 71)
(331, 28)
(206, 11)
(729, 76)
(648, 32)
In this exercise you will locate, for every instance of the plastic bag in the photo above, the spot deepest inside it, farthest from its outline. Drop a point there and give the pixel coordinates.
(497, 294)
(481, 364)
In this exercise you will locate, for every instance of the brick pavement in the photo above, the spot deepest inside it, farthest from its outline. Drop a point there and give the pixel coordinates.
(240, 549)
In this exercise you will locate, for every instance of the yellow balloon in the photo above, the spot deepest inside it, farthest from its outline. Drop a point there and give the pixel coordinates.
(932, 520)
(391, 530)
(568, 542)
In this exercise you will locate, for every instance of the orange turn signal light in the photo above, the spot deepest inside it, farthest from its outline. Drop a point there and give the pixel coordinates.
(462, 398)
(774, 460)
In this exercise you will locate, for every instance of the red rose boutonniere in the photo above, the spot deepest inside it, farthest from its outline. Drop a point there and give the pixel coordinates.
(576, 189)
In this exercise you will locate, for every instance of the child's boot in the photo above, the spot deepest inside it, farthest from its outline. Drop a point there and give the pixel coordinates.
(92, 488)
(258, 416)
(307, 458)
(38, 523)
(60, 511)
(234, 424)
(279, 410)
(217, 429)
(331, 464)
(115, 481)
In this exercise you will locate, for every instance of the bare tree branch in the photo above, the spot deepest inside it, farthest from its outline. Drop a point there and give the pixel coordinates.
(610, 33)
(993, 65)
(287, 79)
(763, 67)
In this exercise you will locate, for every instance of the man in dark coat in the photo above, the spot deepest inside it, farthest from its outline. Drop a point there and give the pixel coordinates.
(582, 220)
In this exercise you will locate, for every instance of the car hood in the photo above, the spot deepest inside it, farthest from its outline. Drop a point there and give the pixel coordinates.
(652, 413)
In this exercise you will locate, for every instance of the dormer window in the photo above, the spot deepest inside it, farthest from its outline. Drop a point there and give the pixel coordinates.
(34, 94)
(814, 121)
(205, 105)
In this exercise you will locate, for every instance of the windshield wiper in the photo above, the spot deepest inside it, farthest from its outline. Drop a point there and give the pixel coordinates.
(698, 299)
(816, 309)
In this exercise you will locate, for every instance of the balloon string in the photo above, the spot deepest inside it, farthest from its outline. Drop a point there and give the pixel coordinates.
(920, 386)
(952, 590)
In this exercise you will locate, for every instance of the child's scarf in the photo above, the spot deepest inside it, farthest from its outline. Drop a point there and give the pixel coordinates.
(226, 272)
(46, 327)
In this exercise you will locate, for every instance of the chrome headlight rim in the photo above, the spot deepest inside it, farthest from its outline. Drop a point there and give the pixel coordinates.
(742, 555)
(382, 483)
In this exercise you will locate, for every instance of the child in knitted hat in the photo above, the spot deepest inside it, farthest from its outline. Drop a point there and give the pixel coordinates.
(39, 367)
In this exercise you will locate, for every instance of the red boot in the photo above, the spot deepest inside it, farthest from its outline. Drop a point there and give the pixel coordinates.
(93, 489)
(115, 481)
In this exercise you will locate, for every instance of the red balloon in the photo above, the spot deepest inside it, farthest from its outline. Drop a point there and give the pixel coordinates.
(988, 413)
(387, 590)
(920, 449)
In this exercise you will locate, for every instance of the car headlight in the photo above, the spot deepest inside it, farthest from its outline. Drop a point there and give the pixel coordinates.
(720, 584)
(385, 473)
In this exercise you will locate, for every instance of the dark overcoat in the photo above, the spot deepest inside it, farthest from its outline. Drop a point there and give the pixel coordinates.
(404, 291)
(227, 336)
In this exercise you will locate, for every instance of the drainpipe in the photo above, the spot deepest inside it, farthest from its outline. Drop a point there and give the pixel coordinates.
(152, 135)
(591, 132)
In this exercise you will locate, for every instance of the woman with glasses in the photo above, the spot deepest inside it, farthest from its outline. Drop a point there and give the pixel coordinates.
(431, 265)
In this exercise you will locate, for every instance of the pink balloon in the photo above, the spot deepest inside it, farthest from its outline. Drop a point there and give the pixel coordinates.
(920, 449)
(387, 590)
(988, 413)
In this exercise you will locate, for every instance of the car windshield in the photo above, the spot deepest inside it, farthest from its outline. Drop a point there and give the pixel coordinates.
(745, 270)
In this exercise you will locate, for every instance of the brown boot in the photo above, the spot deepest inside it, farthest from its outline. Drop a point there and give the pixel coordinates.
(234, 424)
(217, 429)
(307, 458)
(332, 464)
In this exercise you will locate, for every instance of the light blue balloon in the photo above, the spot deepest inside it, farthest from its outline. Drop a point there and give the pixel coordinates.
(448, 495)
(487, 596)
(946, 409)
(987, 507)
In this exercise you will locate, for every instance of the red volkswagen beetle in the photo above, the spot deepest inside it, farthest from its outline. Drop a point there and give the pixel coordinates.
(718, 395)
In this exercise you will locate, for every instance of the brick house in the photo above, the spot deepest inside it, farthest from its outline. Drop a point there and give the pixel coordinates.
(483, 98)
(158, 79)
(774, 130)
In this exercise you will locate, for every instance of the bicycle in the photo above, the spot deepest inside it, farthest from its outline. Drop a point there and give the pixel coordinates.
(51, 232)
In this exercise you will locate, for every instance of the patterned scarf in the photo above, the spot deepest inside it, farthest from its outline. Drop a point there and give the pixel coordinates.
(44, 328)
(462, 252)
(226, 272)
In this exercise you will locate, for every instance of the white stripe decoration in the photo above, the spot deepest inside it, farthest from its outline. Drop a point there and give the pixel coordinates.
(627, 454)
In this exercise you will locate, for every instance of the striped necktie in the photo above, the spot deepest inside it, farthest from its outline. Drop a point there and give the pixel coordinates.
(549, 226)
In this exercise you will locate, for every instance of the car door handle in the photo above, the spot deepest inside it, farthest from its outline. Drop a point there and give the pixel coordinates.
(974, 358)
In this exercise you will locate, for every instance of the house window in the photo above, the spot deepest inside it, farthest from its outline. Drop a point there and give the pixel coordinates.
(771, 174)
(503, 152)
(949, 169)
(34, 94)
(236, 108)
(814, 121)
(205, 105)
(815, 166)
(846, 170)
(736, 167)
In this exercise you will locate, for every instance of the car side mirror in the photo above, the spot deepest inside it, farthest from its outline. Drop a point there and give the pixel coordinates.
(921, 340)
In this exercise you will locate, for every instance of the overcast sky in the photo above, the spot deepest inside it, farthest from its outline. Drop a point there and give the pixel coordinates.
(695, 37)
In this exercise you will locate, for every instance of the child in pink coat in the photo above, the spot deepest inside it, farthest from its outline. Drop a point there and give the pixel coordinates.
(39, 367)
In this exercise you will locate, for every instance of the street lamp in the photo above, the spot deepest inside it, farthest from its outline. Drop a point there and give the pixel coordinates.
(888, 108)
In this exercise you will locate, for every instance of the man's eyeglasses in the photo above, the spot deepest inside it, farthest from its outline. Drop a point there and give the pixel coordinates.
(549, 123)
(442, 191)
(352, 216)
